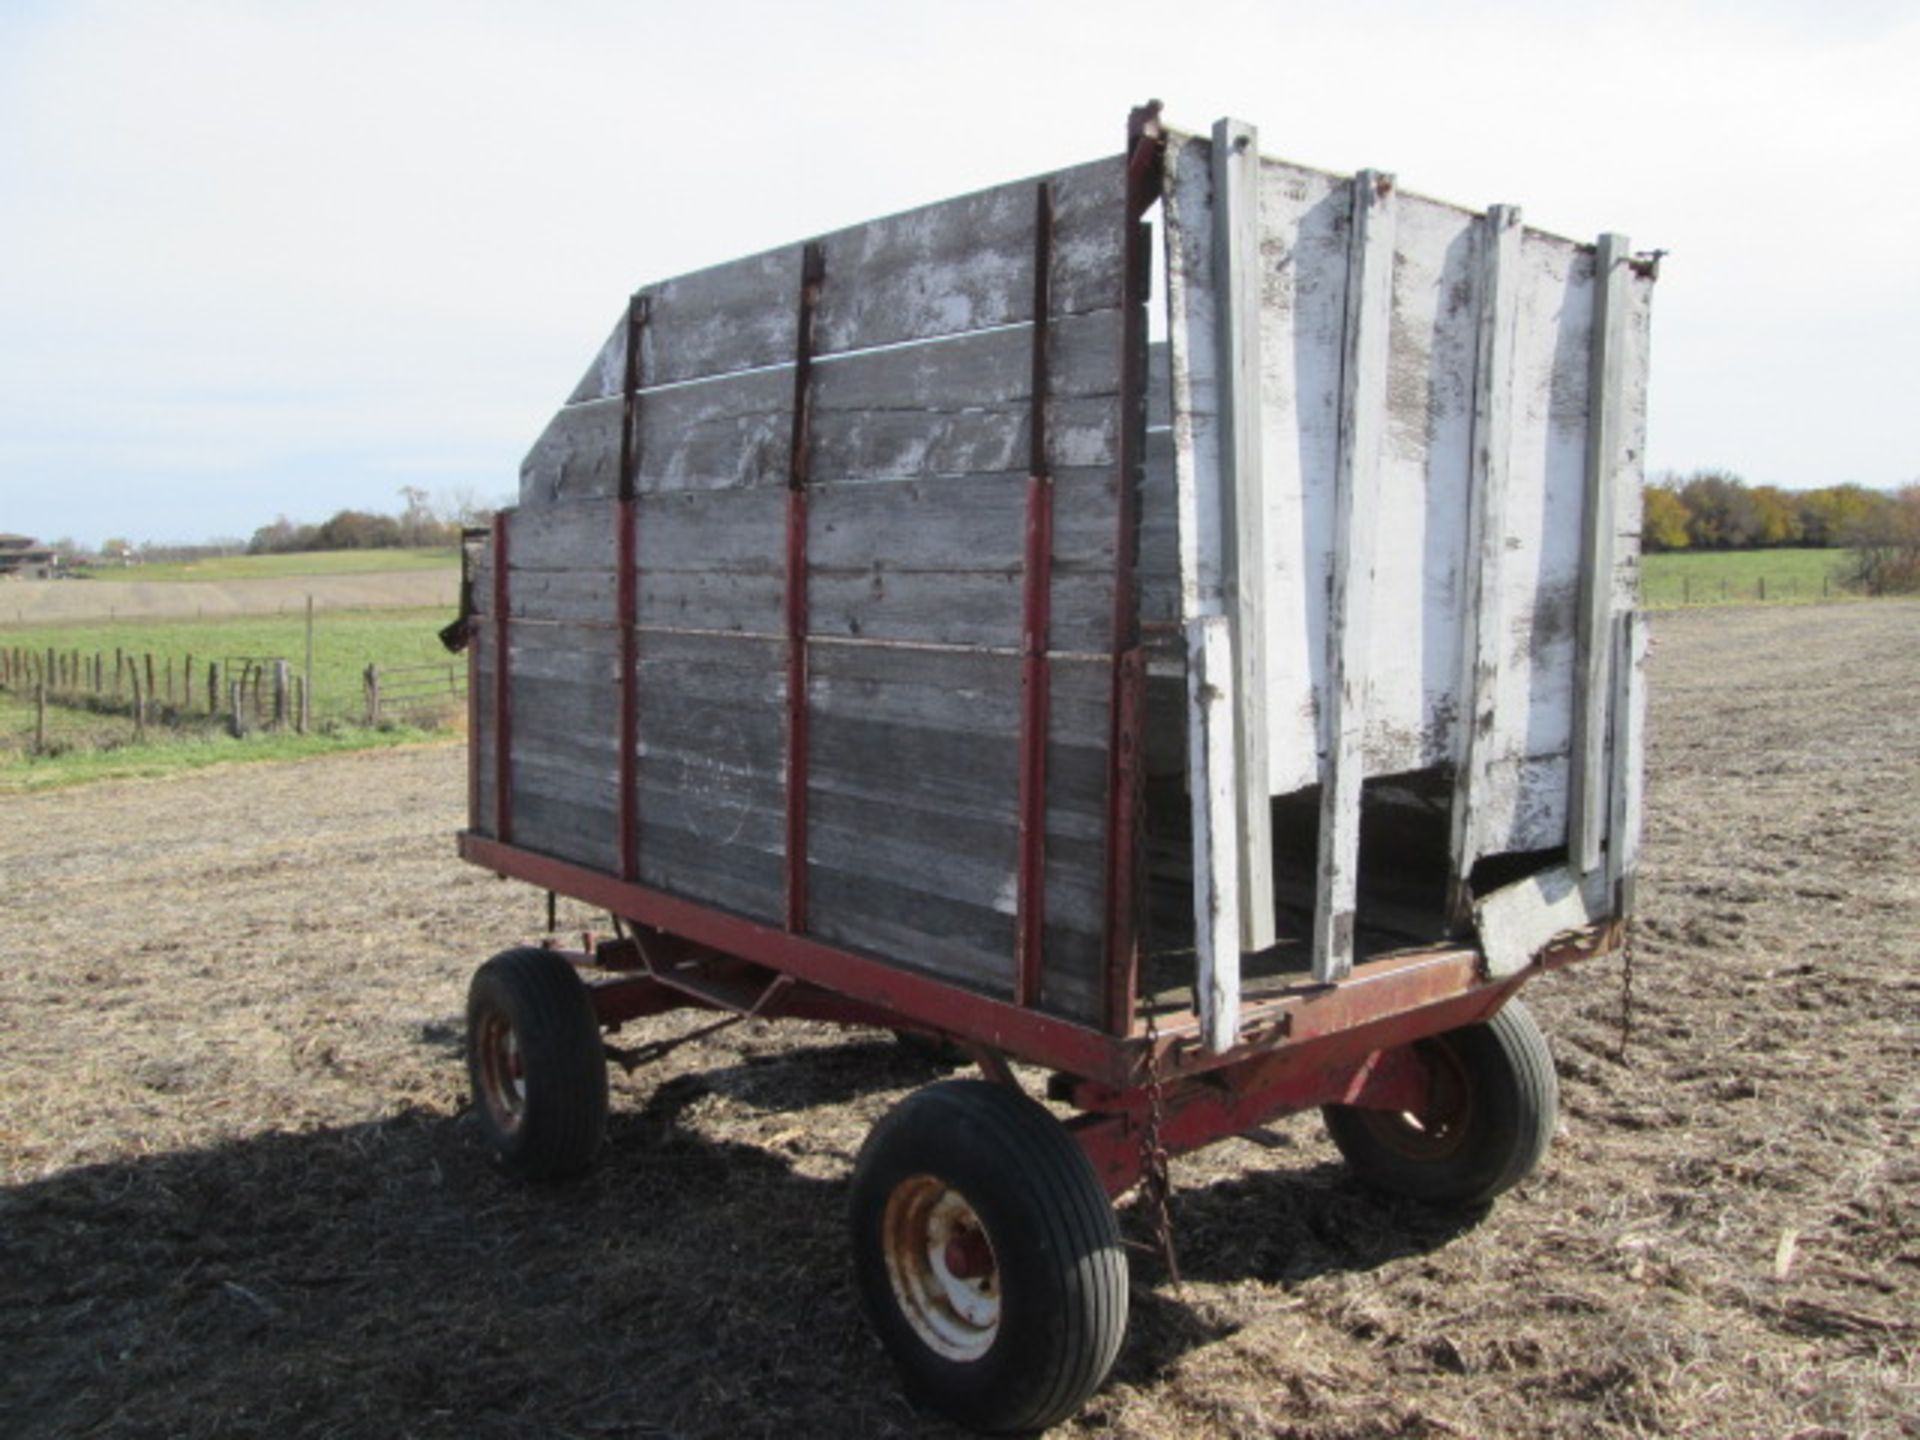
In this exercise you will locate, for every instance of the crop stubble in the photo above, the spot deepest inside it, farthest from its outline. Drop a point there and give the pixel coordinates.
(240, 1196)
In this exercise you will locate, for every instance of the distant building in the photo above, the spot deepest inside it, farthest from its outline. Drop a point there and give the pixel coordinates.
(23, 557)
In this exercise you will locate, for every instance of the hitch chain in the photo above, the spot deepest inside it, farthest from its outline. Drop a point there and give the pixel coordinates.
(1155, 1180)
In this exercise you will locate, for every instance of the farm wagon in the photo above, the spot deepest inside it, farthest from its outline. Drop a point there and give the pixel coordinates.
(893, 631)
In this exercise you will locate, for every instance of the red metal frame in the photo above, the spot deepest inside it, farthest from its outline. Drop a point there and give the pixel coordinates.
(1035, 630)
(627, 586)
(473, 720)
(914, 998)
(1125, 767)
(1197, 1111)
(1410, 993)
(502, 711)
(813, 270)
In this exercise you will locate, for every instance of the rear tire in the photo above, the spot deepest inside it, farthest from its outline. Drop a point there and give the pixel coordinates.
(987, 1256)
(537, 1064)
(1495, 1099)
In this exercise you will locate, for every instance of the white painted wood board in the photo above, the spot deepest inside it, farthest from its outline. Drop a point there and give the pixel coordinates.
(1416, 658)
(1211, 705)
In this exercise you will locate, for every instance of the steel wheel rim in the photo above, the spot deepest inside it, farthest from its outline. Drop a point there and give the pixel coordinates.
(1441, 1131)
(503, 1071)
(941, 1265)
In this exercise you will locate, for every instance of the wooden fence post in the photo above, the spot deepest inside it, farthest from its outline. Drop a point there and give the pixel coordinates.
(151, 692)
(213, 687)
(40, 717)
(279, 694)
(237, 718)
(373, 695)
(119, 668)
(139, 707)
(300, 704)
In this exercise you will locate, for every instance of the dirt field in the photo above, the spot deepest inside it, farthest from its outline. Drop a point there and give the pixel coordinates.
(240, 1195)
(45, 602)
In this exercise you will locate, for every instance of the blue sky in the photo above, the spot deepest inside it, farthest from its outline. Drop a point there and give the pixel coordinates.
(278, 258)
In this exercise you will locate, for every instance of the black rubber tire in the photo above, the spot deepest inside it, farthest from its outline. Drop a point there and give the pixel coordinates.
(1497, 1135)
(1060, 1271)
(546, 1122)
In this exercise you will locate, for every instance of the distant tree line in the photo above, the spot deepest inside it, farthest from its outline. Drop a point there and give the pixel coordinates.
(421, 523)
(1715, 510)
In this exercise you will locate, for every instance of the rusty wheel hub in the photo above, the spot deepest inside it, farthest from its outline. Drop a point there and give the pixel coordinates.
(503, 1073)
(942, 1268)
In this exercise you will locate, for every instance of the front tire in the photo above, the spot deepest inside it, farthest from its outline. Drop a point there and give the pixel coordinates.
(537, 1064)
(1493, 1104)
(987, 1256)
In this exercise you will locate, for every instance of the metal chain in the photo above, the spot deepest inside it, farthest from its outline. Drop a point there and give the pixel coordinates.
(1155, 1179)
(1626, 993)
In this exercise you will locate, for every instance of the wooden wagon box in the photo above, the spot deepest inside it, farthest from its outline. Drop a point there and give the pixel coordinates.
(1161, 583)
(1222, 689)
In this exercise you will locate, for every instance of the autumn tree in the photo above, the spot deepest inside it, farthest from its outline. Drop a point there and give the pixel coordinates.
(1884, 546)
(1721, 514)
(1663, 523)
(1776, 516)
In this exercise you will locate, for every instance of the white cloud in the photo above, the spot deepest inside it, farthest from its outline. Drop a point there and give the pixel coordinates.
(345, 243)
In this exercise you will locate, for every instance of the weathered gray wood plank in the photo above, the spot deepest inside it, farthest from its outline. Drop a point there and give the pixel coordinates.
(712, 559)
(967, 263)
(1626, 777)
(941, 407)
(1349, 611)
(913, 928)
(958, 265)
(711, 763)
(943, 563)
(710, 322)
(1481, 648)
(1159, 563)
(1593, 648)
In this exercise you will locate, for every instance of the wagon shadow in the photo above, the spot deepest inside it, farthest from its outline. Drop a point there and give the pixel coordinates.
(383, 1278)
(804, 1076)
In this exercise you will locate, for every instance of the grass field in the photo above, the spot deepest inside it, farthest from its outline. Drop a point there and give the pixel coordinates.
(1740, 577)
(89, 745)
(264, 567)
(344, 644)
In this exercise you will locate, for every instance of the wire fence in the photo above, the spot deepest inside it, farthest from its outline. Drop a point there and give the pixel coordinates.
(1670, 592)
(415, 692)
(242, 694)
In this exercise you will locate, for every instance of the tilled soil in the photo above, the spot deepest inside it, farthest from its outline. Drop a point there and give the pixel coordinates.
(42, 602)
(239, 1193)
